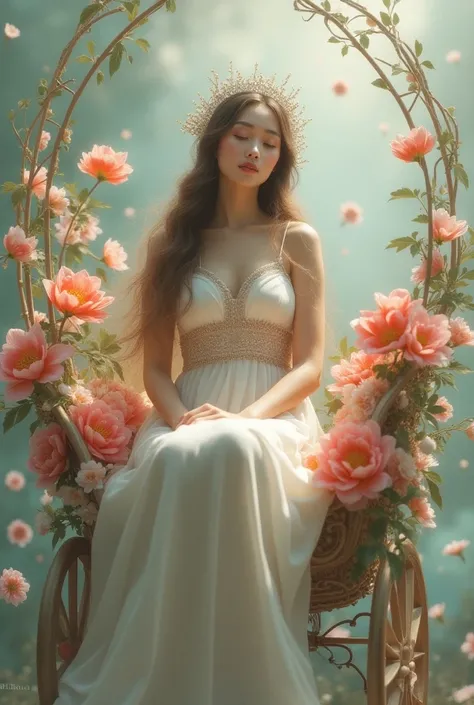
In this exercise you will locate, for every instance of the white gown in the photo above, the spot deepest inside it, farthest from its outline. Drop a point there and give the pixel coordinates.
(201, 551)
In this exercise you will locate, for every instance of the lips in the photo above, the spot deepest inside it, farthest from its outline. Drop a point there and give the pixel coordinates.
(248, 167)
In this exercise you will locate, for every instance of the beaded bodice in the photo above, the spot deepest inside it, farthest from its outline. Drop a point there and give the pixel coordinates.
(256, 324)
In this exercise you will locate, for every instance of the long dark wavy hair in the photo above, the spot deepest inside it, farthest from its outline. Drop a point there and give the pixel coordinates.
(174, 242)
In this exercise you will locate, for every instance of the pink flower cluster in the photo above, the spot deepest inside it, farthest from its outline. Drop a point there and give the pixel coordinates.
(401, 323)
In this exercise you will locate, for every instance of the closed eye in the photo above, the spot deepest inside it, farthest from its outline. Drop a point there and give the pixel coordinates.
(272, 146)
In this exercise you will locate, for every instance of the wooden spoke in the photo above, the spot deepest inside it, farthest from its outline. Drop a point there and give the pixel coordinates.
(397, 659)
(62, 622)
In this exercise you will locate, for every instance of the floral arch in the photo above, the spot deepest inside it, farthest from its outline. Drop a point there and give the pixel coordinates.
(63, 365)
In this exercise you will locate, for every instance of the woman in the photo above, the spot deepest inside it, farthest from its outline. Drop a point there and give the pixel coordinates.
(201, 552)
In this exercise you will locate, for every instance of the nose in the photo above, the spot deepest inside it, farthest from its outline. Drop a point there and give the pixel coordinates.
(253, 151)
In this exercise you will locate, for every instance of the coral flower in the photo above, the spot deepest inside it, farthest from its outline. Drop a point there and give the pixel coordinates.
(39, 182)
(58, 202)
(446, 228)
(418, 274)
(352, 461)
(114, 255)
(354, 371)
(19, 533)
(78, 294)
(10, 31)
(48, 454)
(15, 480)
(461, 334)
(411, 148)
(103, 429)
(385, 329)
(426, 338)
(26, 358)
(351, 213)
(20, 247)
(456, 548)
(13, 587)
(104, 164)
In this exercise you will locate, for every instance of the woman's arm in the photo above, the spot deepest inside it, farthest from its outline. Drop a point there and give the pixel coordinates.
(304, 246)
(157, 361)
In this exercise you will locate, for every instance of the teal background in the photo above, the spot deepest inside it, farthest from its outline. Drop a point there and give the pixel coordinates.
(349, 160)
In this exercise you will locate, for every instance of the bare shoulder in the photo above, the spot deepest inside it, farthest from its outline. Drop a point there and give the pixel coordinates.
(303, 245)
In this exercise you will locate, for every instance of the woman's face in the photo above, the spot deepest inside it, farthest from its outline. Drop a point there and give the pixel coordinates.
(254, 138)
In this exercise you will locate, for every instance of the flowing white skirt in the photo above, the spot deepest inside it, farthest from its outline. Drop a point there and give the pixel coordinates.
(200, 558)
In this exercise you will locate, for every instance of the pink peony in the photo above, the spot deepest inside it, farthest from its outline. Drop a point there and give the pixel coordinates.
(437, 611)
(418, 274)
(13, 587)
(351, 213)
(468, 646)
(20, 247)
(10, 31)
(402, 469)
(446, 228)
(423, 511)
(48, 454)
(40, 317)
(464, 694)
(39, 182)
(387, 328)
(352, 460)
(114, 255)
(448, 409)
(78, 294)
(461, 334)
(103, 429)
(26, 359)
(470, 431)
(58, 202)
(84, 229)
(44, 140)
(91, 476)
(361, 401)
(340, 88)
(15, 480)
(104, 164)
(134, 406)
(426, 338)
(456, 548)
(411, 148)
(19, 533)
(355, 370)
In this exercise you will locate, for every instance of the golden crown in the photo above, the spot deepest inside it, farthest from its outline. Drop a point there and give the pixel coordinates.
(197, 122)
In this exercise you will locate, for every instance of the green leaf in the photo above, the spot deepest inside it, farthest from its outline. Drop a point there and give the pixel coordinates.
(435, 493)
(9, 186)
(100, 77)
(170, 5)
(116, 58)
(459, 367)
(345, 50)
(16, 415)
(387, 4)
(418, 48)
(334, 40)
(143, 44)
(364, 41)
(89, 12)
(34, 426)
(400, 243)
(380, 83)
(396, 19)
(101, 273)
(434, 477)
(132, 10)
(461, 174)
(18, 194)
(422, 218)
(326, 5)
(83, 59)
(386, 19)
(91, 47)
(402, 193)
(428, 65)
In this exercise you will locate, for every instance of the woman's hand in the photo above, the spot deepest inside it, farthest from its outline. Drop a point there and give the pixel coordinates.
(206, 412)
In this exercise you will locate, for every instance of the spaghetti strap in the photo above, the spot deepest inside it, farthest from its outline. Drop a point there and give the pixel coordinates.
(283, 240)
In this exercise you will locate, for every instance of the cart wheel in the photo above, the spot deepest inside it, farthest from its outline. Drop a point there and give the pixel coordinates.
(398, 649)
(61, 629)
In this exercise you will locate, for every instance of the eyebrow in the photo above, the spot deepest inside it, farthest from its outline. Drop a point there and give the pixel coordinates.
(249, 124)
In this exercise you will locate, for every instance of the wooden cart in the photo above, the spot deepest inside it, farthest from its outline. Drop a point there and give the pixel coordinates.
(397, 631)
